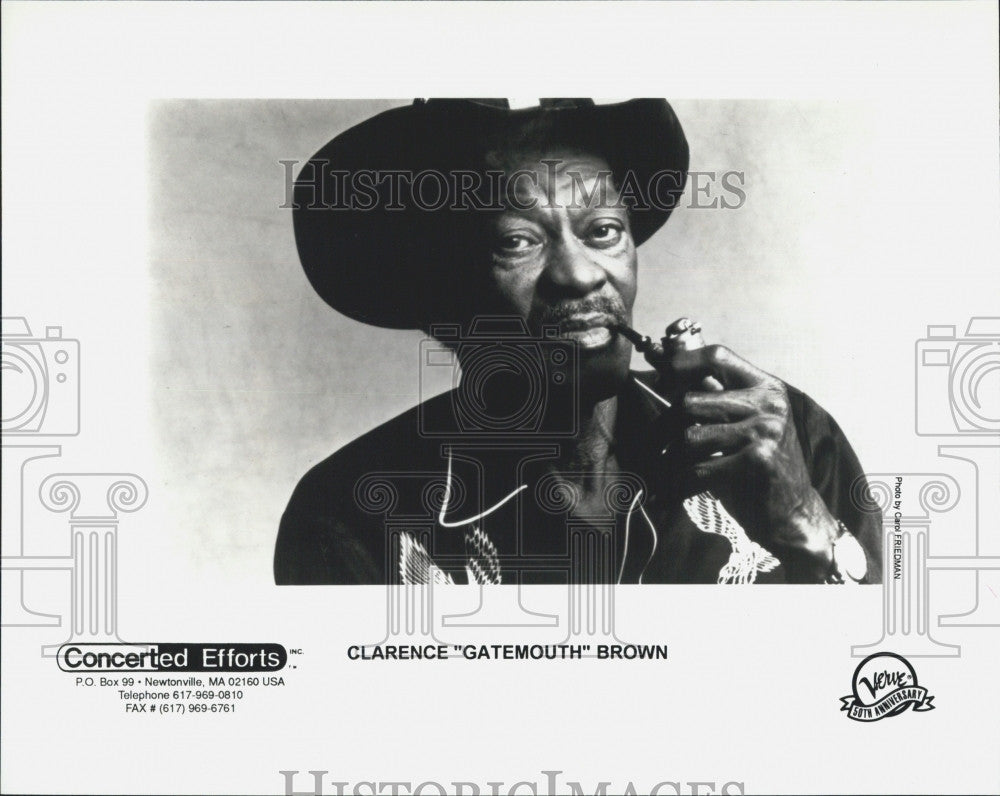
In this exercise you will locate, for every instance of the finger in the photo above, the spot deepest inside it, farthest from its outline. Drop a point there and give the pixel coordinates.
(732, 371)
(711, 384)
(720, 407)
(716, 471)
(702, 442)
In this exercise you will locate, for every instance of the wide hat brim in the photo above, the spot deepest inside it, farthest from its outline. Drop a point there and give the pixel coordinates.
(373, 256)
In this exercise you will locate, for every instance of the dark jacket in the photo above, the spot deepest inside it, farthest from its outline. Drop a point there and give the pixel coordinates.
(371, 513)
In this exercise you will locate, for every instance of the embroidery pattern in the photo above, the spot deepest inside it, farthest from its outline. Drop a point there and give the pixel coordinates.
(482, 564)
(415, 565)
(747, 558)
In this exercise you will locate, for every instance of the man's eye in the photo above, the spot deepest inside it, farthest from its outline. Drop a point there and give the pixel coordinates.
(606, 234)
(514, 244)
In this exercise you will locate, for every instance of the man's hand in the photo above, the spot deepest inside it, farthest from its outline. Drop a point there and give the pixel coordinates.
(741, 444)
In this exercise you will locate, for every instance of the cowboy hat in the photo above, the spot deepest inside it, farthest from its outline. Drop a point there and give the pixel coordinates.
(382, 212)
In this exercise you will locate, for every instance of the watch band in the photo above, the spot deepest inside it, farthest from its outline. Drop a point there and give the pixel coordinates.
(848, 564)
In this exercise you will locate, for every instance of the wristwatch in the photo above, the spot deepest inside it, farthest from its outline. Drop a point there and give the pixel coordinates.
(848, 564)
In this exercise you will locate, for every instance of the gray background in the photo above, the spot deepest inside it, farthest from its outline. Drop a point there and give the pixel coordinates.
(255, 379)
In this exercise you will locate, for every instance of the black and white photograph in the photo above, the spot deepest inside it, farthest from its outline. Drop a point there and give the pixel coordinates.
(500, 398)
(508, 236)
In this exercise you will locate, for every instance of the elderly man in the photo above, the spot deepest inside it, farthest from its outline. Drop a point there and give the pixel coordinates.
(511, 237)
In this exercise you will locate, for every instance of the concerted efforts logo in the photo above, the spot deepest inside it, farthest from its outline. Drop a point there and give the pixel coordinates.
(885, 684)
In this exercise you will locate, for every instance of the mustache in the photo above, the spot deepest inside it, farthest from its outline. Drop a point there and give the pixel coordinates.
(558, 314)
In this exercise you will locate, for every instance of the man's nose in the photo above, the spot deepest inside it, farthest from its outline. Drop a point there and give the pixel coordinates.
(572, 270)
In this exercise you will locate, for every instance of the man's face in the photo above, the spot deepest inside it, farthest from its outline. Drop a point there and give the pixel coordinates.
(562, 254)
